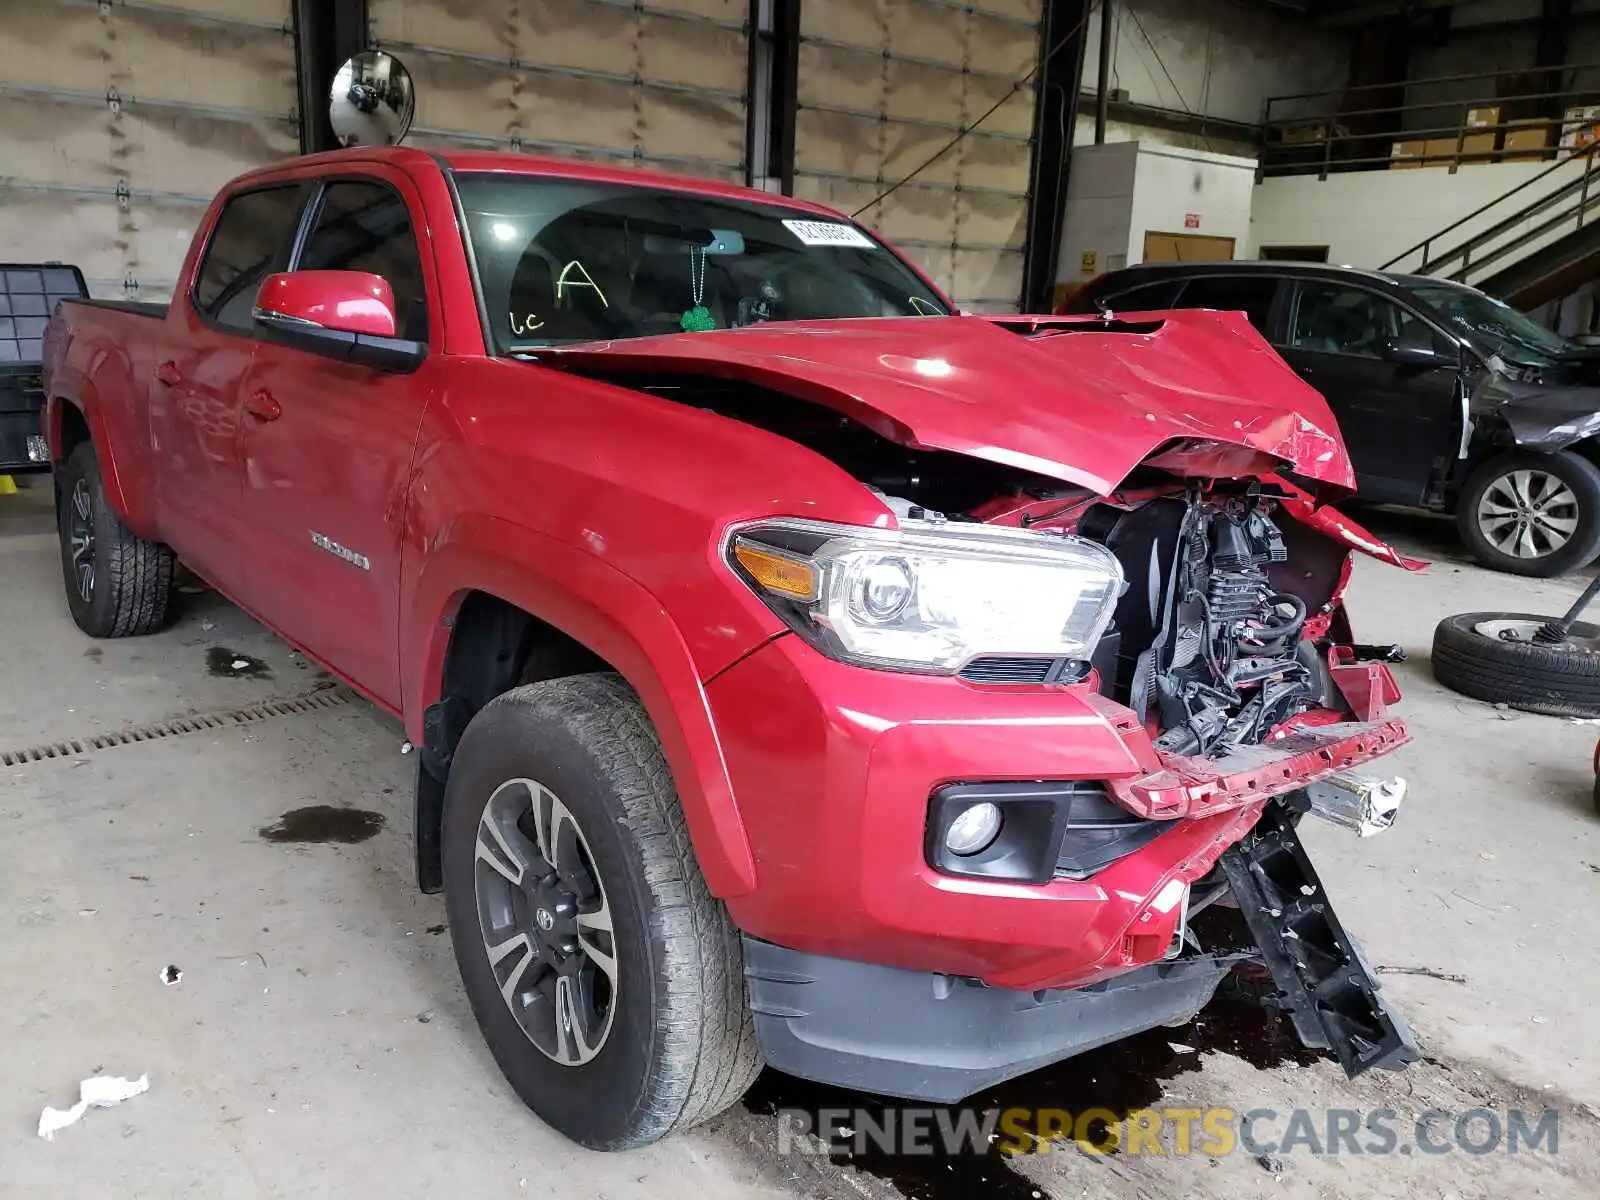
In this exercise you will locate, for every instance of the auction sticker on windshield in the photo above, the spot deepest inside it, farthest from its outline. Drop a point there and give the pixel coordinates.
(827, 233)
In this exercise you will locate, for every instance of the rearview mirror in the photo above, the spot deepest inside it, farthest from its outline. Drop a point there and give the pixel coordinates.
(346, 315)
(1407, 355)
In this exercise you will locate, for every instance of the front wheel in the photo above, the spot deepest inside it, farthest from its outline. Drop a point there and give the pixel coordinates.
(607, 981)
(1532, 514)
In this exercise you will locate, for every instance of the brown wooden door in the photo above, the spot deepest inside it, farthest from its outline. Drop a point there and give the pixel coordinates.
(1186, 247)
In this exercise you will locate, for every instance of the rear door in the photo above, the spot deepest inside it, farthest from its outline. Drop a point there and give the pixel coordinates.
(196, 381)
(1397, 420)
(327, 447)
(1254, 294)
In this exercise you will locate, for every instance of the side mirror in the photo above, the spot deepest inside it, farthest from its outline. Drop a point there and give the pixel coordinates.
(346, 315)
(1404, 355)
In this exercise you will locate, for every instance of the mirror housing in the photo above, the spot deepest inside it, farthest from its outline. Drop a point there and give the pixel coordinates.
(344, 315)
(1416, 356)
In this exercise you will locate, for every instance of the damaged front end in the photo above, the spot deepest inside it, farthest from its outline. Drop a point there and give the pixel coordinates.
(1228, 671)
(1230, 664)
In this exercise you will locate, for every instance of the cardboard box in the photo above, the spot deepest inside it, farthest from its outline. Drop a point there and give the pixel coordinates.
(1477, 118)
(1525, 141)
(1403, 155)
(1440, 151)
(1446, 152)
(1305, 134)
(1580, 126)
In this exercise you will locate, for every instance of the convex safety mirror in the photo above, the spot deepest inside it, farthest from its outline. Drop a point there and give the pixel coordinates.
(373, 101)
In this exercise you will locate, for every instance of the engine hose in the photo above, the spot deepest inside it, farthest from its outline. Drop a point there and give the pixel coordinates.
(1275, 633)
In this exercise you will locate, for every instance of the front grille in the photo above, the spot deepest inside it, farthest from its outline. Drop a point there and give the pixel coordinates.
(999, 668)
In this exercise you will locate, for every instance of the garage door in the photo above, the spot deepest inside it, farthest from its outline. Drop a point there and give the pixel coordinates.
(119, 120)
(883, 85)
(658, 84)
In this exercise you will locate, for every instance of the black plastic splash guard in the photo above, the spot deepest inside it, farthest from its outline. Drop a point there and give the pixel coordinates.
(1325, 988)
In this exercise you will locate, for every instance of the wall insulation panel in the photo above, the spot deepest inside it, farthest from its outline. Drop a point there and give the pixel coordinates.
(119, 121)
(658, 84)
(884, 84)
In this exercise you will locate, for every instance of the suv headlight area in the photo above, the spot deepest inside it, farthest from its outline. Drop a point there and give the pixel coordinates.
(930, 599)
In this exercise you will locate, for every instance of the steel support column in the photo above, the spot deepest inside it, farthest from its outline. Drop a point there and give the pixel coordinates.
(774, 86)
(1063, 35)
(326, 32)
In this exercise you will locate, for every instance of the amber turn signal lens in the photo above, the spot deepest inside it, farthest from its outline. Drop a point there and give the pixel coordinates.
(777, 572)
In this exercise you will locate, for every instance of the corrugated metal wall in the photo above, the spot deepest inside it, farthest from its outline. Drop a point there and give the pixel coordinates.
(883, 85)
(119, 120)
(659, 83)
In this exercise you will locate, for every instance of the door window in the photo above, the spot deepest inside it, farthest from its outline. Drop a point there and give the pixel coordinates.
(1147, 297)
(364, 226)
(1344, 320)
(1250, 294)
(250, 242)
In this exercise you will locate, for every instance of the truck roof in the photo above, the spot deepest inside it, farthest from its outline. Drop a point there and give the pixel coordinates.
(410, 157)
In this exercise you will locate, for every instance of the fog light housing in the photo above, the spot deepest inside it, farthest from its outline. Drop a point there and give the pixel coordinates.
(973, 830)
(38, 449)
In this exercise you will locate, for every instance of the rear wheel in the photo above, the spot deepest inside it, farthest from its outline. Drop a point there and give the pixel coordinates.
(1532, 514)
(118, 584)
(607, 980)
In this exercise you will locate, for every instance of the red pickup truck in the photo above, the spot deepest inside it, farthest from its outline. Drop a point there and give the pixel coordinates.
(803, 672)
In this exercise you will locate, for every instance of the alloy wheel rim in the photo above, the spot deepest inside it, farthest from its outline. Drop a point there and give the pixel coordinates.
(545, 922)
(1528, 514)
(80, 539)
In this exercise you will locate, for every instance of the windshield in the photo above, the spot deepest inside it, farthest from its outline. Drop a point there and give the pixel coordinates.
(1493, 327)
(567, 260)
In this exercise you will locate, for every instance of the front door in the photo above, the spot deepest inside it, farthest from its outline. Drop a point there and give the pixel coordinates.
(196, 383)
(1399, 421)
(327, 449)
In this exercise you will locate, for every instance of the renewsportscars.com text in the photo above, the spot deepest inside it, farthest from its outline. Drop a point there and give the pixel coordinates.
(1215, 1132)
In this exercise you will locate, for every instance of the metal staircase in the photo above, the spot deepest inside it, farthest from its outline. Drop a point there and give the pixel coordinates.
(1541, 240)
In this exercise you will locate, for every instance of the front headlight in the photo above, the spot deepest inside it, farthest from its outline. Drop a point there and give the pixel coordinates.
(931, 599)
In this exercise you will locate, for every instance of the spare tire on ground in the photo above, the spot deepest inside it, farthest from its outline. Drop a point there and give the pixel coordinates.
(1492, 656)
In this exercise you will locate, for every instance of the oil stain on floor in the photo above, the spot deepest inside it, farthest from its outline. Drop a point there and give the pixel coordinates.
(323, 823)
(230, 664)
(1119, 1078)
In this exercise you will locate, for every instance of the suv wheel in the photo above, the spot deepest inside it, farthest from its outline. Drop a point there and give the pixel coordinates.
(607, 980)
(1532, 514)
(118, 584)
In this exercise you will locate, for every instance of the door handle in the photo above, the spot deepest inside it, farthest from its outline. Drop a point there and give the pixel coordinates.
(263, 406)
(169, 374)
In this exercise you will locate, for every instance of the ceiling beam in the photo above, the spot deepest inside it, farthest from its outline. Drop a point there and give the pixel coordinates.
(1338, 15)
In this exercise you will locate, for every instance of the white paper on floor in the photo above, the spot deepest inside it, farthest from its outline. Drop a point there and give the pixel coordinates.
(99, 1091)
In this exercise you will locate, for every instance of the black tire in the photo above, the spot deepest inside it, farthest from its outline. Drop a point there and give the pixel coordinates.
(1555, 681)
(127, 591)
(1576, 472)
(679, 1050)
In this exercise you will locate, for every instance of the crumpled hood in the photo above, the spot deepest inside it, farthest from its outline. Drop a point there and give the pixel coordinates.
(1080, 400)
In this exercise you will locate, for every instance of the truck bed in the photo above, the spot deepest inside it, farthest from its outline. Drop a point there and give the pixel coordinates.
(138, 308)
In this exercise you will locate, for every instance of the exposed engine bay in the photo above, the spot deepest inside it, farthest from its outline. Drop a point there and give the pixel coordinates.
(1226, 660)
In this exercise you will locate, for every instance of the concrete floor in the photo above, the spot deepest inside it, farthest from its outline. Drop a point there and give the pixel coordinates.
(319, 1043)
